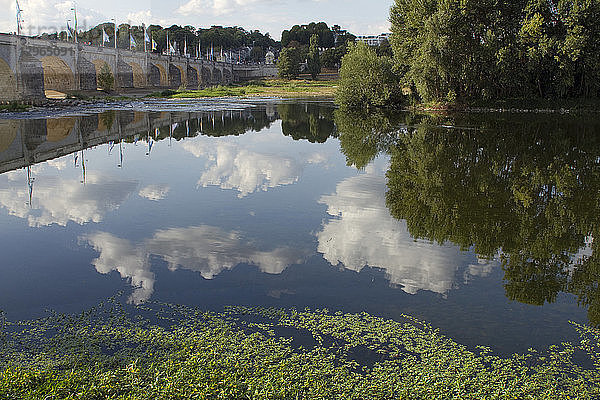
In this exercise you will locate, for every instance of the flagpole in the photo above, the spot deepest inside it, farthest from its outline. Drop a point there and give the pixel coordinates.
(74, 9)
(115, 21)
(145, 47)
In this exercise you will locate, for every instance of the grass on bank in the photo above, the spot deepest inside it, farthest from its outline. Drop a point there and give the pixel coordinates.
(269, 87)
(14, 107)
(256, 353)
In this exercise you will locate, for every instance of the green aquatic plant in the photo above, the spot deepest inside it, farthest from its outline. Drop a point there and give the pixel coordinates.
(168, 351)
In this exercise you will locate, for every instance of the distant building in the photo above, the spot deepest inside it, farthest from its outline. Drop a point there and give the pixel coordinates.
(373, 40)
(269, 57)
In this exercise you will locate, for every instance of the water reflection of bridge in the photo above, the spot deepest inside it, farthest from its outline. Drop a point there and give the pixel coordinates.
(27, 142)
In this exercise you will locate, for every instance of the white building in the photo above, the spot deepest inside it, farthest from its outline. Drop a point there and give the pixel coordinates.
(374, 40)
(269, 57)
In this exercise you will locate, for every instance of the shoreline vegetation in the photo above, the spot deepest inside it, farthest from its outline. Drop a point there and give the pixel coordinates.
(155, 350)
(453, 53)
(267, 87)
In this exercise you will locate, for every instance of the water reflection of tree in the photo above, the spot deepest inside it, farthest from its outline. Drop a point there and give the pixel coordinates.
(309, 121)
(525, 188)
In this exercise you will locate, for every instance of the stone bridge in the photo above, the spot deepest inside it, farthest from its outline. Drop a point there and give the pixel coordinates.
(29, 67)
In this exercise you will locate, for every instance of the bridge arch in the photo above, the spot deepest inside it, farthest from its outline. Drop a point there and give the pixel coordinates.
(8, 83)
(57, 75)
(139, 79)
(58, 129)
(8, 133)
(99, 65)
(193, 79)
(176, 76)
(217, 76)
(157, 75)
(206, 76)
(227, 75)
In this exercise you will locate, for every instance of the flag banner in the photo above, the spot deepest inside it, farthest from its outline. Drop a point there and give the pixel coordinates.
(132, 43)
(69, 31)
(146, 36)
(154, 45)
(19, 18)
(105, 38)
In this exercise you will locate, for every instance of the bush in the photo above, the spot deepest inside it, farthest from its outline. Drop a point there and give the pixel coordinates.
(367, 80)
(106, 80)
(289, 63)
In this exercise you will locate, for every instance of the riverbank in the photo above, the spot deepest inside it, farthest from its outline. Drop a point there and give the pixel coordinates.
(259, 353)
(259, 88)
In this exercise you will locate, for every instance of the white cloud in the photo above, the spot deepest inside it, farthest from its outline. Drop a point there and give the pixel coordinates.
(155, 192)
(51, 16)
(59, 200)
(232, 167)
(363, 233)
(207, 250)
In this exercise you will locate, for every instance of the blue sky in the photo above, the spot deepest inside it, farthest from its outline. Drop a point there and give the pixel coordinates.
(358, 16)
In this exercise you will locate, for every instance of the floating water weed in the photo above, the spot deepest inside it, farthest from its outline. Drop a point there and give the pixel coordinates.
(110, 352)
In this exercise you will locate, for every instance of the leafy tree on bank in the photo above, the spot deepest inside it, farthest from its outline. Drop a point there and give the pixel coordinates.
(367, 80)
(106, 81)
(288, 65)
(462, 50)
(314, 62)
(303, 33)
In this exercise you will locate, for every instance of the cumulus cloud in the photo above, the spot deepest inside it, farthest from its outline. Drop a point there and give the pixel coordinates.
(204, 249)
(155, 192)
(51, 15)
(362, 233)
(59, 200)
(232, 167)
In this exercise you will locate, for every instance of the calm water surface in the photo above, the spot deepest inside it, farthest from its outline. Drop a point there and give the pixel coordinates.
(481, 225)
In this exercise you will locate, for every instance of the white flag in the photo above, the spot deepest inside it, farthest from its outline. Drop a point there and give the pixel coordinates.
(105, 38)
(69, 31)
(19, 18)
(146, 36)
(132, 43)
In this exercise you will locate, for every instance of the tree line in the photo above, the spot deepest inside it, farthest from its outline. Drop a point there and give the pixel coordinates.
(464, 50)
(216, 37)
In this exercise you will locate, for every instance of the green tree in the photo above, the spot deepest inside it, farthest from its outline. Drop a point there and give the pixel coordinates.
(288, 64)
(106, 79)
(367, 80)
(314, 61)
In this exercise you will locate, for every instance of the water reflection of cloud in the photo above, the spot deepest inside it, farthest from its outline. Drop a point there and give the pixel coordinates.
(207, 250)
(58, 200)
(130, 262)
(364, 234)
(155, 192)
(235, 166)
